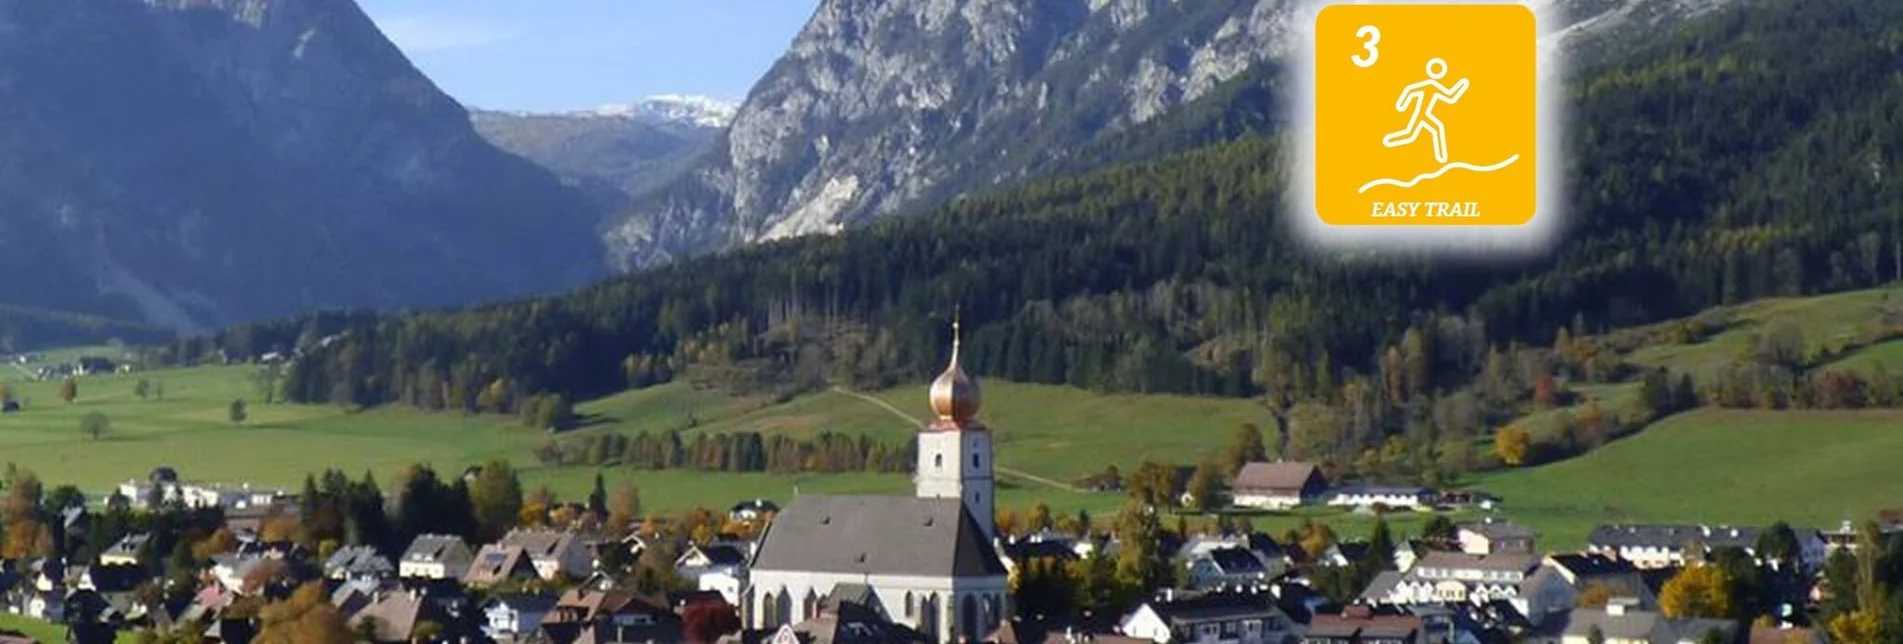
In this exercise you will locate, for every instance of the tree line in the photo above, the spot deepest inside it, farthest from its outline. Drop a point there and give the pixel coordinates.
(745, 451)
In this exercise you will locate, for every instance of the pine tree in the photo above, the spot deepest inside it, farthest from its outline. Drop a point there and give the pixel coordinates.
(598, 498)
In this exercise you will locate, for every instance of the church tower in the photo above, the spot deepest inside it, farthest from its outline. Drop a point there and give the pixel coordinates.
(954, 450)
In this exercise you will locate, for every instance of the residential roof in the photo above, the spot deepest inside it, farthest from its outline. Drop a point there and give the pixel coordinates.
(1499, 562)
(1672, 537)
(724, 554)
(1236, 561)
(433, 547)
(850, 623)
(525, 602)
(1584, 566)
(893, 535)
(359, 560)
(1360, 621)
(1022, 550)
(1498, 530)
(1285, 476)
(1189, 608)
(130, 545)
(1381, 490)
(756, 505)
(540, 544)
(496, 563)
(396, 615)
(116, 579)
(1381, 586)
(1642, 625)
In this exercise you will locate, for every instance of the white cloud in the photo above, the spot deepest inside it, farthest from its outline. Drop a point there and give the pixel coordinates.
(419, 34)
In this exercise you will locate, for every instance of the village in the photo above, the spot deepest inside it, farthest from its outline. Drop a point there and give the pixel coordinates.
(465, 558)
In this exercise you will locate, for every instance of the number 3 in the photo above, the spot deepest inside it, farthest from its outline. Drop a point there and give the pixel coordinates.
(1373, 36)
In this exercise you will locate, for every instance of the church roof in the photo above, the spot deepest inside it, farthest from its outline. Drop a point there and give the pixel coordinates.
(879, 535)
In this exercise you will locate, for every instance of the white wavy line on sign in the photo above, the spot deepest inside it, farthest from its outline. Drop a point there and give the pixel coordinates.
(1443, 170)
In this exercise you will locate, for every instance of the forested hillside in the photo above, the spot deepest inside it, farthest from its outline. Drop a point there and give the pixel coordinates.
(1752, 155)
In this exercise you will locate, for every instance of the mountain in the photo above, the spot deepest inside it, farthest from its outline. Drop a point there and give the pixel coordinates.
(616, 151)
(1741, 158)
(879, 105)
(195, 163)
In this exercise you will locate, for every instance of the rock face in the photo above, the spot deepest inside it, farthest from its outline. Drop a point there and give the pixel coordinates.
(198, 162)
(879, 105)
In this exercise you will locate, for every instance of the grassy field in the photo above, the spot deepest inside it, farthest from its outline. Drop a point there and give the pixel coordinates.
(1828, 322)
(1050, 432)
(1813, 468)
(1740, 467)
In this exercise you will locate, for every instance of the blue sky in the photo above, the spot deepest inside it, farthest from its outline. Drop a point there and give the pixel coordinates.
(576, 54)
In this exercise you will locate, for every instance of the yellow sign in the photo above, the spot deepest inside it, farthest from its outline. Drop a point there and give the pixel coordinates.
(1426, 115)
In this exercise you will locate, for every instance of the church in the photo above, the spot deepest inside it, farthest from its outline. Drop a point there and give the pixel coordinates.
(927, 561)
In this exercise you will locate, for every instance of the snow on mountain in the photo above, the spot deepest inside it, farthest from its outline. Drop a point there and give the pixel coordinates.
(700, 111)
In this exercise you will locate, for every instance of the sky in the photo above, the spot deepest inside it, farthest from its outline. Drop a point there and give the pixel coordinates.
(556, 55)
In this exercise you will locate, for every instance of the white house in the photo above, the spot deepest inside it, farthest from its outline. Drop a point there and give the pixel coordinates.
(436, 556)
(1621, 622)
(1495, 537)
(553, 551)
(1535, 590)
(507, 618)
(1224, 618)
(1364, 497)
(1277, 486)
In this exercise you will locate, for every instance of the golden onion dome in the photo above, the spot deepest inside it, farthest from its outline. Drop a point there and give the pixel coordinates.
(955, 395)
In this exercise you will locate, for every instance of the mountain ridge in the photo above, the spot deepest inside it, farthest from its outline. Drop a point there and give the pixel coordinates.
(283, 156)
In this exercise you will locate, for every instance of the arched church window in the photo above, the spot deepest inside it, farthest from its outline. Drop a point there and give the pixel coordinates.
(938, 461)
(910, 610)
(968, 618)
(974, 461)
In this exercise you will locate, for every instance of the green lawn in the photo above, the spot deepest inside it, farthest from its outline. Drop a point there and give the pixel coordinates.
(1741, 467)
(1828, 321)
(1053, 432)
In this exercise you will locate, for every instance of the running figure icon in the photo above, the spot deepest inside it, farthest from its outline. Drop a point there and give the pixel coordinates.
(1423, 119)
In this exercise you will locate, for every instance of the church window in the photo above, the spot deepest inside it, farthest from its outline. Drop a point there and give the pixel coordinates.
(938, 461)
(910, 609)
(974, 461)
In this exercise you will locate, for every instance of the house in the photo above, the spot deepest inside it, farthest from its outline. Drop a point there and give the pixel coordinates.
(1370, 497)
(1469, 499)
(581, 614)
(1015, 552)
(397, 614)
(753, 510)
(92, 365)
(126, 551)
(1532, 589)
(1889, 522)
(840, 619)
(1659, 546)
(435, 556)
(553, 552)
(496, 563)
(358, 563)
(1174, 616)
(1494, 537)
(1278, 486)
(1618, 576)
(1363, 625)
(240, 497)
(509, 617)
(1621, 622)
(719, 557)
(1230, 567)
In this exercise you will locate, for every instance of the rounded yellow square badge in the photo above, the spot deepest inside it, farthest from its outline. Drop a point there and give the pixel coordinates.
(1426, 114)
